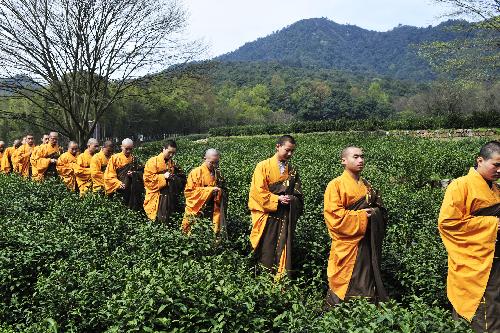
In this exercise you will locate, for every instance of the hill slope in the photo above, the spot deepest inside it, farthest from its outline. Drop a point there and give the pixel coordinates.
(322, 43)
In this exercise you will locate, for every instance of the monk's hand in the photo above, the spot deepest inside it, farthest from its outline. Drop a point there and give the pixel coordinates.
(167, 175)
(122, 186)
(369, 211)
(53, 160)
(215, 190)
(129, 173)
(284, 199)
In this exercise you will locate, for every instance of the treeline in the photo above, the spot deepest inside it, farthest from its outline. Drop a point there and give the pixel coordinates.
(205, 96)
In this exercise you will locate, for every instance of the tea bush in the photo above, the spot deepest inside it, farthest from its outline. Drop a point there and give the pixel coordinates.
(91, 265)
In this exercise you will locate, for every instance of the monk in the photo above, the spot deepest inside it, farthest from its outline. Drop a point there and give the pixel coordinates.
(45, 159)
(123, 176)
(98, 165)
(65, 166)
(275, 202)
(82, 167)
(6, 165)
(206, 194)
(356, 220)
(44, 140)
(164, 182)
(469, 224)
(22, 155)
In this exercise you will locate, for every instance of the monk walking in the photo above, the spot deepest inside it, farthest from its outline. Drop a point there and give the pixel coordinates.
(275, 202)
(82, 167)
(98, 165)
(66, 166)
(469, 223)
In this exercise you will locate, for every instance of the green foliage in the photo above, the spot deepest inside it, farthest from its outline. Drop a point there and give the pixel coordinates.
(321, 43)
(412, 122)
(90, 265)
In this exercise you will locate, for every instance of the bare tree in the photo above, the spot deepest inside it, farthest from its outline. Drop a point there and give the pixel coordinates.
(487, 11)
(74, 58)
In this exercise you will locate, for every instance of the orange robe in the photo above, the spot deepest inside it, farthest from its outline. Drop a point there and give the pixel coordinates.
(41, 160)
(21, 160)
(66, 169)
(6, 162)
(199, 189)
(261, 201)
(82, 172)
(469, 240)
(346, 229)
(117, 161)
(34, 171)
(154, 181)
(98, 165)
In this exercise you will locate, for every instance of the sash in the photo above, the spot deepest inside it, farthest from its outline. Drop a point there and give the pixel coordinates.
(169, 201)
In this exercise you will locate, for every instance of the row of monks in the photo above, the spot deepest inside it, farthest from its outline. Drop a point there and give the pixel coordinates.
(353, 210)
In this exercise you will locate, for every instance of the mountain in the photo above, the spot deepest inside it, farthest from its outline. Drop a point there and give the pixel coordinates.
(322, 43)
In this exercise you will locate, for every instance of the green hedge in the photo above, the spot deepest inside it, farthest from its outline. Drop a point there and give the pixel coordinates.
(487, 120)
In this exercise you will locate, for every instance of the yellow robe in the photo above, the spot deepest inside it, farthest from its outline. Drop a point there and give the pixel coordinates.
(199, 189)
(346, 229)
(82, 172)
(261, 201)
(111, 181)
(469, 240)
(21, 160)
(5, 165)
(154, 181)
(34, 171)
(98, 165)
(40, 160)
(66, 169)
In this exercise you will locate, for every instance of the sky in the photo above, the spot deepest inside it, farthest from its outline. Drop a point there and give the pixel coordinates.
(225, 25)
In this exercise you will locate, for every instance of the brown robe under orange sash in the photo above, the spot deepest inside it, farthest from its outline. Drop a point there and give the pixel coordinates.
(82, 172)
(65, 167)
(98, 165)
(470, 241)
(354, 262)
(159, 189)
(115, 162)
(117, 173)
(273, 224)
(200, 200)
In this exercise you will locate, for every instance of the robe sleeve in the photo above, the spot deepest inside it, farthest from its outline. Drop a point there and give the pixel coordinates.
(153, 180)
(453, 220)
(260, 198)
(80, 169)
(340, 221)
(4, 163)
(111, 181)
(196, 195)
(95, 168)
(40, 162)
(65, 167)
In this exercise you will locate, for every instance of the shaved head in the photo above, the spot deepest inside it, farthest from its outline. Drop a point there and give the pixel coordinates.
(127, 142)
(17, 143)
(347, 150)
(73, 148)
(212, 157)
(45, 138)
(107, 148)
(53, 138)
(127, 146)
(92, 141)
(2, 145)
(488, 161)
(211, 152)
